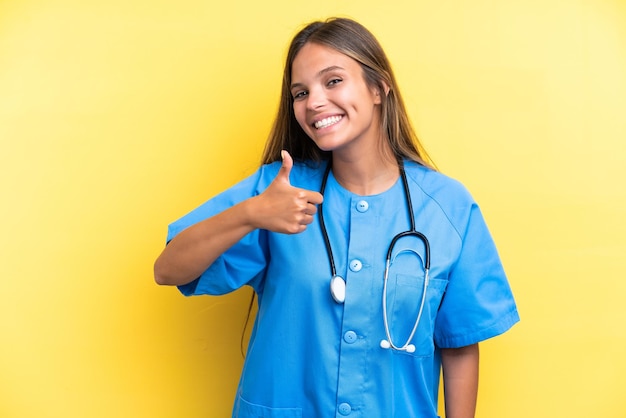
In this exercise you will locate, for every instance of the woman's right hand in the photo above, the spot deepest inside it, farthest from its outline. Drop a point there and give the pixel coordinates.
(283, 207)
(280, 208)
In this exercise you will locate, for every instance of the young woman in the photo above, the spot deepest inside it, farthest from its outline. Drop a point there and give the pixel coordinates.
(373, 271)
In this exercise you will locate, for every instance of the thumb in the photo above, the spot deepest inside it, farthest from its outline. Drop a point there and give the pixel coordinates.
(285, 169)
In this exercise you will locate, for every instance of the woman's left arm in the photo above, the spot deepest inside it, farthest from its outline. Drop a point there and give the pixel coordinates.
(460, 380)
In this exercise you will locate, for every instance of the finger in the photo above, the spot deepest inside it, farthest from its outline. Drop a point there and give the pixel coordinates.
(307, 217)
(285, 169)
(314, 198)
(311, 209)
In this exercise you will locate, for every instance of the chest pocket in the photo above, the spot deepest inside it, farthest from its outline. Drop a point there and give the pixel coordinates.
(405, 297)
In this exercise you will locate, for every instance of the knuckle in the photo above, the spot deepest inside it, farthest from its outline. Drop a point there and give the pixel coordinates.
(295, 229)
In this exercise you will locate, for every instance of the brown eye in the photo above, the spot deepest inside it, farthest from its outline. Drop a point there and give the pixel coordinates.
(299, 95)
(334, 81)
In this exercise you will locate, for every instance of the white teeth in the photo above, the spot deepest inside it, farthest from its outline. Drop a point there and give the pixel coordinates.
(327, 122)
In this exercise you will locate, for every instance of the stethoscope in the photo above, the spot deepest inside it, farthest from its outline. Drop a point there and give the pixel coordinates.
(338, 284)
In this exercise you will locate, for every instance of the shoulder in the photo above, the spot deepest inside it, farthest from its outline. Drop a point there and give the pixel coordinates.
(445, 190)
(443, 195)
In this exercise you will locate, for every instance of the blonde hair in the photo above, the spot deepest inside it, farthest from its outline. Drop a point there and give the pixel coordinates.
(355, 41)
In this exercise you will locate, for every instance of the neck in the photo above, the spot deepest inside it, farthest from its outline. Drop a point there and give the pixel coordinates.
(367, 175)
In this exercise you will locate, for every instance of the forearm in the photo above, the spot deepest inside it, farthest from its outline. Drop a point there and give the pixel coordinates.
(280, 208)
(192, 251)
(460, 380)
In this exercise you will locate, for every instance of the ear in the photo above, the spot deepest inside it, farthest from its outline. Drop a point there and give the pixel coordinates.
(377, 92)
(385, 88)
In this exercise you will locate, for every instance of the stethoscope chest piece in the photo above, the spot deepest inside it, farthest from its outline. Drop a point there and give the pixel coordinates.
(338, 289)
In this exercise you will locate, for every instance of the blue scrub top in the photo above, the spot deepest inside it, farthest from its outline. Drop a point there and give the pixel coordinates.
(311, 357)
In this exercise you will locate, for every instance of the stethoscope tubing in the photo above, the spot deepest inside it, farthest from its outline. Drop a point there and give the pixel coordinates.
(388, 343)
(320, 214)
(407, 346)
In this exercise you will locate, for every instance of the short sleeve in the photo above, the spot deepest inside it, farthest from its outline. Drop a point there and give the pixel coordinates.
(478, 303)
(244, 262)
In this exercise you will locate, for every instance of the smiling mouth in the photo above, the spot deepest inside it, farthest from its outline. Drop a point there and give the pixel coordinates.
(326, 122)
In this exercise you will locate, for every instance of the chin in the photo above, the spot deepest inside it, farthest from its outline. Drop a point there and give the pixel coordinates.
(327, 144)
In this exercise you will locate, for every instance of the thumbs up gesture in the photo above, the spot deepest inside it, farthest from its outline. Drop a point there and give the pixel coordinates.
(284, 208)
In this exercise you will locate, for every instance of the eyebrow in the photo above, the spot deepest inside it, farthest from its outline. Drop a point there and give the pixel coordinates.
(319, 74)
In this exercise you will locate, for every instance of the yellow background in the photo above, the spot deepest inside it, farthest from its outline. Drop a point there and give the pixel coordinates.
(118, 117)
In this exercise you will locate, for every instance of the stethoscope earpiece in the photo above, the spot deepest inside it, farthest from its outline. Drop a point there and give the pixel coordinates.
(410, 348)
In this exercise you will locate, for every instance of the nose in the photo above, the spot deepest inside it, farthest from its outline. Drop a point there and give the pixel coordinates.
(316, 98)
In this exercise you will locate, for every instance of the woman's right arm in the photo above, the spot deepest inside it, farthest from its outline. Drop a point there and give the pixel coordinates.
(280, 208)
(194, 249)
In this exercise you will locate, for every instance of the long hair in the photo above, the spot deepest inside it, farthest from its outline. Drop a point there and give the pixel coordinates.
(355, 41)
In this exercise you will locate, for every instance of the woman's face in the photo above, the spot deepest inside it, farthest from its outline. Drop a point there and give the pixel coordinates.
(332, 102)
